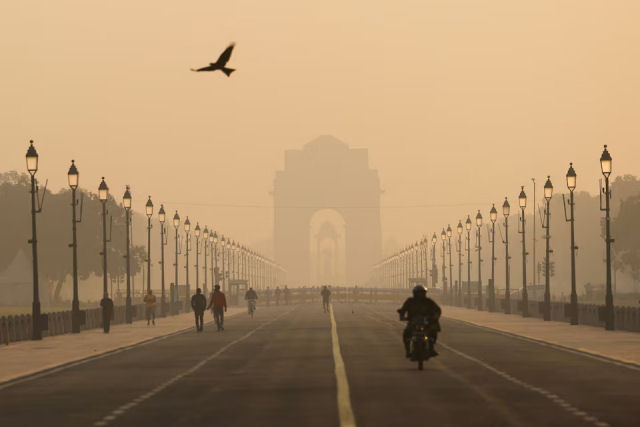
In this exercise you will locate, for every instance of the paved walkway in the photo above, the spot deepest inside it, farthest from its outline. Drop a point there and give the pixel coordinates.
(26, 358)
(618, 345)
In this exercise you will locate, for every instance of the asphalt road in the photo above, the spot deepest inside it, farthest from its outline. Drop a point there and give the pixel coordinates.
(278, 370)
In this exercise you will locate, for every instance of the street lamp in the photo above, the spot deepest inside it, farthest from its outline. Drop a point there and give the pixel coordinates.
(506, 210)
(434, 269)
(548, 193)
(605, 166)
(32, 167)
(213, 237)
(126, 203)
(459, 229)
(174, 295)
(162, 217)
(467, 225)
(443, 236)
(73, 178)
(522, 201)
(223, 245)
(149, 212)
(571, 185)
(493, 217)
(452, 294)
(205, 243)
(197, 234)
(479, 226)
(187, 247)
(103, 195)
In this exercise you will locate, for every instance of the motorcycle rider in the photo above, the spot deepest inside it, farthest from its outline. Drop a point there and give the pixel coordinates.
(420, 305)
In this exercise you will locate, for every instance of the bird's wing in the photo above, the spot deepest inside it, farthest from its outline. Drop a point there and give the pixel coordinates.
(226, 55)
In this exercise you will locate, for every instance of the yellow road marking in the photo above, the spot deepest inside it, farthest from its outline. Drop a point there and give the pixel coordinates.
(345, 412)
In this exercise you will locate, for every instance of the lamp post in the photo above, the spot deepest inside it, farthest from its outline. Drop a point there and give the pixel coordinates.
(174, 294)
(197, 234)
(32, 167)
(571, 185)
(452, 294)
(73, 179)
(161, 219)
(205, 243)
(187, 247)
(126, 203)
(223, 245)
(443, 236)
(459, 229)
(103, 195)
(548, 192)
(479, 226)
(468, 227)
(214, 261)
(434, 269)
(506, 210)
(149, 212)
(522, 200)
(605, 166)
(493, 217)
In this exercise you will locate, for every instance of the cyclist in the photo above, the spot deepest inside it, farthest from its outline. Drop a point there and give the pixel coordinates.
(287, 294)
(251, 297)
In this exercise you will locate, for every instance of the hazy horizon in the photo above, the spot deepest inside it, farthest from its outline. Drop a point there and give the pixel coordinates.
(458, 103)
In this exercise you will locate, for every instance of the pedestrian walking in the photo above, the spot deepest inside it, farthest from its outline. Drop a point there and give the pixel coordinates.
(326, 294)
(218, 304)
(150, 307)
(267, 295)
(199, 304)
(107, 313)
(287, 294)
(278, 292)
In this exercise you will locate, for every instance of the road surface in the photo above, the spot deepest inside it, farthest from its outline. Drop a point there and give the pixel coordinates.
(278, 369)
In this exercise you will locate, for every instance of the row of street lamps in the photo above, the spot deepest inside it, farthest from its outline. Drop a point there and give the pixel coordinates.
(397, 269)
(241, 261)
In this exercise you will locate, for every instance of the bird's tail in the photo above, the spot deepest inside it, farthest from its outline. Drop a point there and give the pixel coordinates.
(228, 71)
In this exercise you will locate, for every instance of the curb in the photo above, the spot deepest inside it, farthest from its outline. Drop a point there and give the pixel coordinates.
(583, 352)
(82, 360)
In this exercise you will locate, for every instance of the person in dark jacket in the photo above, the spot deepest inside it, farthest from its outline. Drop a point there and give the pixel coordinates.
(107, 312)
(420, 305)
(199, 304)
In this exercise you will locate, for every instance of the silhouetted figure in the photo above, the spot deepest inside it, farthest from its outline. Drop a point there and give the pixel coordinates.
(278, 292)
(420, 305)
(221, 63)
(326, 294)
(107, 313)
(150, 307)
(267, 294)
(199, 305)
(287, 294)
(219, 304)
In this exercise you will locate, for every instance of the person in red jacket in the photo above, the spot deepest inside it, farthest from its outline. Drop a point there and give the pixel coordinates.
(219, 304)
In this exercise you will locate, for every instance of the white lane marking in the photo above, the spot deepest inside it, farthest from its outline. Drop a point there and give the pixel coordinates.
(580, 352)
(552, 397)
(122, 409)
(345, 412)
(49, 371)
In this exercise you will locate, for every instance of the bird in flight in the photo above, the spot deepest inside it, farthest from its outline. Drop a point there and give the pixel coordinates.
(221, 63)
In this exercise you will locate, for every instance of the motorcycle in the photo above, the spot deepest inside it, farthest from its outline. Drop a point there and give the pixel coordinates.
(419, 344)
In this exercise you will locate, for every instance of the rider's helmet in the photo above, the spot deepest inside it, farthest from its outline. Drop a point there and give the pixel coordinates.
(216, 287)
(419, 291)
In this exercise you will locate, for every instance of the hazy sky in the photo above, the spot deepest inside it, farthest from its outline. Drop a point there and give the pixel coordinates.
(457, 101)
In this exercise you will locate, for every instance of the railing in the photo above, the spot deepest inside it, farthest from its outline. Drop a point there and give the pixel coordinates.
(19, 327)
(626, 318)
